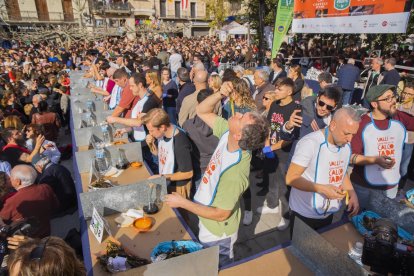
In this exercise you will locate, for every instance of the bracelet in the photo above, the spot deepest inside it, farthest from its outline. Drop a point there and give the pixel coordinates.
(354, 158)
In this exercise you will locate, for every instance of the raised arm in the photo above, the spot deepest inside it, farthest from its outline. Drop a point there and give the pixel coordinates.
(205, 110)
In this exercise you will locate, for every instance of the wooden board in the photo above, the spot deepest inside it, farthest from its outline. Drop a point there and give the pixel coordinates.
(279, 262)
(128, 176)
(343, 237)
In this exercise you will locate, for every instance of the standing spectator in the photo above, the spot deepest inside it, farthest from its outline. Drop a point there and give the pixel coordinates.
(347, 75)
(278, 71)
(186, 87)
(154, 83)
(296, 75)
(374, 75)
(261, 81)
(175, 62)
(407, 105)
(169, 95)
(391, 75)
(378, 146)
(204, 142)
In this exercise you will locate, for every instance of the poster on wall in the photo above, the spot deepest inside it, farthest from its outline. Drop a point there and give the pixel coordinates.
(351, 16)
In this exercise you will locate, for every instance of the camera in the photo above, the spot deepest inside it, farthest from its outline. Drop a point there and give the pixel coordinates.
(384, 254)
(24, 227)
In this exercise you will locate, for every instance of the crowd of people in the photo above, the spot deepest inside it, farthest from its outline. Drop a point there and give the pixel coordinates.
(206, 127)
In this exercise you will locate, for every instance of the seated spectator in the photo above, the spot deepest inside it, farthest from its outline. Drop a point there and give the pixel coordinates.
(31, 200)
(48, 148)
(59, 179)
(48, 120)
(15, 151)
(50, 256)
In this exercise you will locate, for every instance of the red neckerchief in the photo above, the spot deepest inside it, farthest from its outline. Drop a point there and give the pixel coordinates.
(14, 146)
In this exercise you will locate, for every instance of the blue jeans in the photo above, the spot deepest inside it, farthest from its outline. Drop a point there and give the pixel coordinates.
(363, 194)
(347, 96)
(405, 159)
(172, 114)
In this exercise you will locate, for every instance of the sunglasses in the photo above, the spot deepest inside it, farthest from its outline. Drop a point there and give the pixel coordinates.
(266, 98)
(328, 107)
(37, 253)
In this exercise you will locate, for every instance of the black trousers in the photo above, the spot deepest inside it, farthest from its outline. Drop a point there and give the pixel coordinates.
(315, 224)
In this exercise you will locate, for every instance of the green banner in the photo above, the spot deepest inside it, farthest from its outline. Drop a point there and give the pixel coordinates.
(284, 17)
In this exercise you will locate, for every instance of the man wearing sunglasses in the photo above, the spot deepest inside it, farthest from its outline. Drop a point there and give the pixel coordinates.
(316, 114)
(378, 146)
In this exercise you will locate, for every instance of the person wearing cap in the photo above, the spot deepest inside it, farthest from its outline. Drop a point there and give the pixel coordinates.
(378, 146)
(59, 179)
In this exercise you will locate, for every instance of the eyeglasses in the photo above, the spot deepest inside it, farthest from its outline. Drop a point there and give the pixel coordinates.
(389, 99)
(37, 253)
(407, 94)
(328, 107)
(266, 98)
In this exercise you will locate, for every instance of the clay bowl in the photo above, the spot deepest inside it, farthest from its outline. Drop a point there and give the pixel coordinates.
(143, 224)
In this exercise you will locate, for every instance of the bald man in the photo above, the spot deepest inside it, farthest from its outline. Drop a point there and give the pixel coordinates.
(318, 172)
(188, 107)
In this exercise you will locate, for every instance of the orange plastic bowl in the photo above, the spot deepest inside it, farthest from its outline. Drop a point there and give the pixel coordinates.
(143, 224)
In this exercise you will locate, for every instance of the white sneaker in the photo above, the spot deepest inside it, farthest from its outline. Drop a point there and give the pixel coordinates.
(248, 217)
(283, 224)
(267, 210)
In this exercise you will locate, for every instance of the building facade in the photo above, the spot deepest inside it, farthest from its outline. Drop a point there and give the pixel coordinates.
(25, 13)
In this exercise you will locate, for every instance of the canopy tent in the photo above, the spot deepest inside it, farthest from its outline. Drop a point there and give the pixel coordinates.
(235, 28)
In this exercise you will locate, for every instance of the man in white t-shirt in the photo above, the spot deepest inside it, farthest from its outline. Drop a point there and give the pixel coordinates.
(318, 172)
(175, 62)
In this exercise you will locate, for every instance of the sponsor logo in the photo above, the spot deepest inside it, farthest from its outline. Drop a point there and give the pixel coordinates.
(280, 29)
(342, 4)
(384, 23)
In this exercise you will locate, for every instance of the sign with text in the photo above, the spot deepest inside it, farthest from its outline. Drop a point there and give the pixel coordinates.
(346, 16)
(97, 225)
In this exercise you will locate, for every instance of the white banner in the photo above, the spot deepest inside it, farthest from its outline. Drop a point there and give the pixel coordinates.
(378, 23)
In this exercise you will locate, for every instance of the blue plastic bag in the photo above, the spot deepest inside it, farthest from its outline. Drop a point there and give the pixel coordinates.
(167, 246)
(358, 223)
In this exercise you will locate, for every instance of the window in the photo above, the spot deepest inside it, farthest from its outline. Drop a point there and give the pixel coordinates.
(163, 8)
(177, 9)
(193, 10)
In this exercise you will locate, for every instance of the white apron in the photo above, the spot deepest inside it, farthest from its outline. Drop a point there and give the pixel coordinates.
(220, 161)
(115, 96)
(100, 83)
(166, 155)
(331, 168)
(388, 142)
(139, 132)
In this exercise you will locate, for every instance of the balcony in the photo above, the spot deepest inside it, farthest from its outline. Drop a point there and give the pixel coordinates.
(34, 16)
(101, 7)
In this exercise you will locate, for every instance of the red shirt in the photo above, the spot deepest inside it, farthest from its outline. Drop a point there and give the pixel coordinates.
(357, 146)
(37, 200)
(128, 101)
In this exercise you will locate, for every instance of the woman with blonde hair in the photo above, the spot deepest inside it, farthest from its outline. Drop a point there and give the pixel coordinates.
(13, 121)
(214, 82)
(240, 99)
(154, 83)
